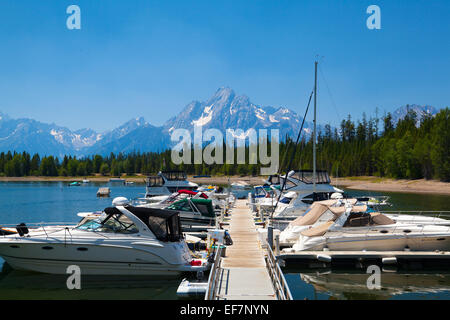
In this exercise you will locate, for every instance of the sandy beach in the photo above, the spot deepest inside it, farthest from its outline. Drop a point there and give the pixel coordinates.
(358, 183)
(383, 184)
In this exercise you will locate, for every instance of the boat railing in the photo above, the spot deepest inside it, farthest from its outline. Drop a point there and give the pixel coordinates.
(276, 275)
(51, 226)
(430, 214)
(422, 227)
(214, 275)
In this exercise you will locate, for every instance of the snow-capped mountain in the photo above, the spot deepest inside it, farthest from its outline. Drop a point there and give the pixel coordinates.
(37, 137)
(226, 110)
(420, 111)
(136, 135)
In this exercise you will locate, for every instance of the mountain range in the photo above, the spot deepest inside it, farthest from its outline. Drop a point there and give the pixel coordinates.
(223, 110)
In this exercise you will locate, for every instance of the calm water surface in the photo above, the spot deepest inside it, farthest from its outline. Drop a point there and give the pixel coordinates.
(56, 202)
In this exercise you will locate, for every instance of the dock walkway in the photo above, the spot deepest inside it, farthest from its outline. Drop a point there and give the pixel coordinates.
(243, 274)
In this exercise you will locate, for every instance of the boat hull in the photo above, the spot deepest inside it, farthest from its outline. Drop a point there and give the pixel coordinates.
(141, 259)
(431, 243)
(89, 268)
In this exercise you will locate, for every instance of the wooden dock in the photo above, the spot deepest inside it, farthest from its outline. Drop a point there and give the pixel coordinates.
(103, 192)
(243, 274)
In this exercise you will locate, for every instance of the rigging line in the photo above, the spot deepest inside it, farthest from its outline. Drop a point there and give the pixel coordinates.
(292, 157)
(290, 142)
(329, 93)
(287, 145)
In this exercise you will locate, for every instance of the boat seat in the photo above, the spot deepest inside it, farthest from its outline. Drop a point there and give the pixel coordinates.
(358, 220)
(311, 216)
(380, 219)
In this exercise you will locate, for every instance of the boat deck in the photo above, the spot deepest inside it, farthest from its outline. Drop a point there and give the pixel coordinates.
(243, 274)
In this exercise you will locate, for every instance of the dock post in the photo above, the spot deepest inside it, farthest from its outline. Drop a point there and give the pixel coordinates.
(277, 244)
(270, 235)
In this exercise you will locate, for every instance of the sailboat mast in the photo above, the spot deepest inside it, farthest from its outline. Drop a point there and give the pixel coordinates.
(314, 131)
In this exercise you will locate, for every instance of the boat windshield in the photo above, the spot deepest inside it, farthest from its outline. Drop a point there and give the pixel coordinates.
(285, 200)
(181, 205)
(155, 181)
(174, 175)
(113, 223)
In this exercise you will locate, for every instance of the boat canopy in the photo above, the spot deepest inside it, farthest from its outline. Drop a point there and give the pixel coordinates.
(306, 176)
(204, 206)
(358, 218)
(192, 193)
(318, 208)
(164, 224)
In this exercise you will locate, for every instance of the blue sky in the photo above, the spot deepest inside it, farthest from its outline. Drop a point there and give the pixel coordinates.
(150, 58)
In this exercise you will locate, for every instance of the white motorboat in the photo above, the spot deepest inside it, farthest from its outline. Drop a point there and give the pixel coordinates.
(122, 240)
(168, 182)
(265, 193)
(351, 228)
(195, 208)
(321, 212)
(266, 206)
(164, 201)
(301, 193)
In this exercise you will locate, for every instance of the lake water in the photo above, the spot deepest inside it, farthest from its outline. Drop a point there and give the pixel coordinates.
(56, 202)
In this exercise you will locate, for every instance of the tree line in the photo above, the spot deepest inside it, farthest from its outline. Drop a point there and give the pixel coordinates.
(401, 151)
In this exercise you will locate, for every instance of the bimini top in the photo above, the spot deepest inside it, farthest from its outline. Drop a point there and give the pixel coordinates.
(164, 224)
(192, 193)
(319, 208)
(306, 176)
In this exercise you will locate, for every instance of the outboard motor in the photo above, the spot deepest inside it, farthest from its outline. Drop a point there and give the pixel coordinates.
(22, 229)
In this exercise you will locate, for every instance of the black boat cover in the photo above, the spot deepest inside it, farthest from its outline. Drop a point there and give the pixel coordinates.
(164, 224)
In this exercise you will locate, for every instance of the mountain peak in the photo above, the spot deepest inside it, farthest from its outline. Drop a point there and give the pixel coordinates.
(223, 95)
(420, 111)
(224, 91)
(3, 116)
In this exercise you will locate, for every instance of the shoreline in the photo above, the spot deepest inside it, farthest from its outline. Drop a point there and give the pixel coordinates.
(421, 186)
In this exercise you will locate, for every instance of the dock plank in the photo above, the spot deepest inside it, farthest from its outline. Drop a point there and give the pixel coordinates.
(244, 274)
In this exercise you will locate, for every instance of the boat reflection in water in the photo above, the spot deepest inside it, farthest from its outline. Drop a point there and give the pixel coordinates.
(16, 284)
(352, 285)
